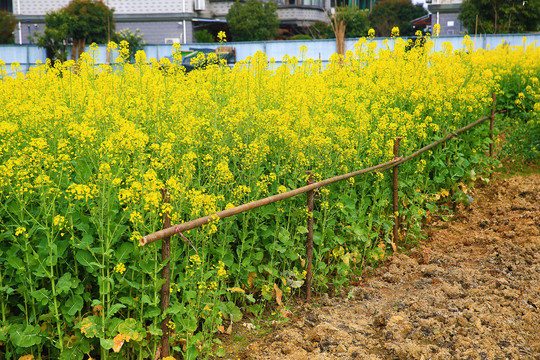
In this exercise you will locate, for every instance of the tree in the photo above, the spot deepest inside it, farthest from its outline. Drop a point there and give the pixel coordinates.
(320, 30)
(7, 27)
(54, 39)
(253, 21)
(204, 36)
(387, 14)
(347, 22)
(356, 21)
(79, 23)
(500, 16)
(89, 21)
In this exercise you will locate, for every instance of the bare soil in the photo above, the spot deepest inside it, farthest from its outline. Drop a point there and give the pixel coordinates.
(471, 291)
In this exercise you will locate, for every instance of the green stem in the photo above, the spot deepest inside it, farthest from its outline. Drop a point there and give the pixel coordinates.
(56, 313)
(3, 304)
(31, 283)
(141, 314)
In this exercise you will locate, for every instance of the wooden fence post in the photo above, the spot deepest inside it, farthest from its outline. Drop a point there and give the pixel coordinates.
(395, 197)
(309, 249)
(491, 121)
(165, 274)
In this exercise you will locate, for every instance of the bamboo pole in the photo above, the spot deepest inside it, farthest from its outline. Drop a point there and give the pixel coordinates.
(309, 249)
(166, 275)
(395, 190)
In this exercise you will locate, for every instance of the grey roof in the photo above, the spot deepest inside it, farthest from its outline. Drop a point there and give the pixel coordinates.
(41, 7)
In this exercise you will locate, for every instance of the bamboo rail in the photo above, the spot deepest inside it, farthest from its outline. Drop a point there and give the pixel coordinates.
(175, 229)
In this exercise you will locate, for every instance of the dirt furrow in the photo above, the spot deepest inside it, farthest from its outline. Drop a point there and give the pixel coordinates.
(471, 291)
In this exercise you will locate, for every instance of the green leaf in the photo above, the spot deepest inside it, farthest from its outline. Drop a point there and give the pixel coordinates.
(155, 330)
(87, 260)
(127, 301)
(114, 309)
(106, 343)
(173, 309)
(76, 351)
(25, 336)
(52, 256)
(4, 332)
(112, 325)
(15, 262)
(147, 267)
(159, 283)
(91, 326)
(130, 328)
(73, 305)
(133, 284)
(124, 252)
(302, 229)
(42, 295)
(65, 283)
(220, 352)
(152, 311)
(229, 309)
(258, 256)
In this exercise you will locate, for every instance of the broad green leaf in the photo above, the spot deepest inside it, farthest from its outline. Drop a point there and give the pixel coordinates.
(91, 326)
(15, 262)
(73, 305)
(147, 267)
(106, 343)
(42, 295)
(4, 332)
(302, 229)
(284, 235)
(114, 309)
(124, 252)
(76, 351)
(146, 299)
(173, 309)
(25, 336)
(229, 309)
(155, 330)
(131, 328)
(127, 301)
(151, 311)
(52, 255)
(65, 283)
(86, 260)
(112, 325)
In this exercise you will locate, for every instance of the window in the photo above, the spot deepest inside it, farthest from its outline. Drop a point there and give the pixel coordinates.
(450, 23)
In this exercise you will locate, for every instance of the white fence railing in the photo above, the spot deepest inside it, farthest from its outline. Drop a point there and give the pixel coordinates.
(27, 55)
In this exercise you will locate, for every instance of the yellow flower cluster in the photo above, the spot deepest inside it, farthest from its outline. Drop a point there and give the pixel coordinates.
(120, 268)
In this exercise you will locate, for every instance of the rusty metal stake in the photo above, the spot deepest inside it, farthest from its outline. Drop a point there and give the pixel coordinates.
(395, 191)
(165, 274)
(309, 249)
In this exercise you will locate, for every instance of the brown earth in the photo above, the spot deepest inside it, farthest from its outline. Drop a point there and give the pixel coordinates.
(471, 291)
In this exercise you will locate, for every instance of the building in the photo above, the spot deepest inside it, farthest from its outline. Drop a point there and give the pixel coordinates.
(445, 13)
(160, 21)
(169, 21)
